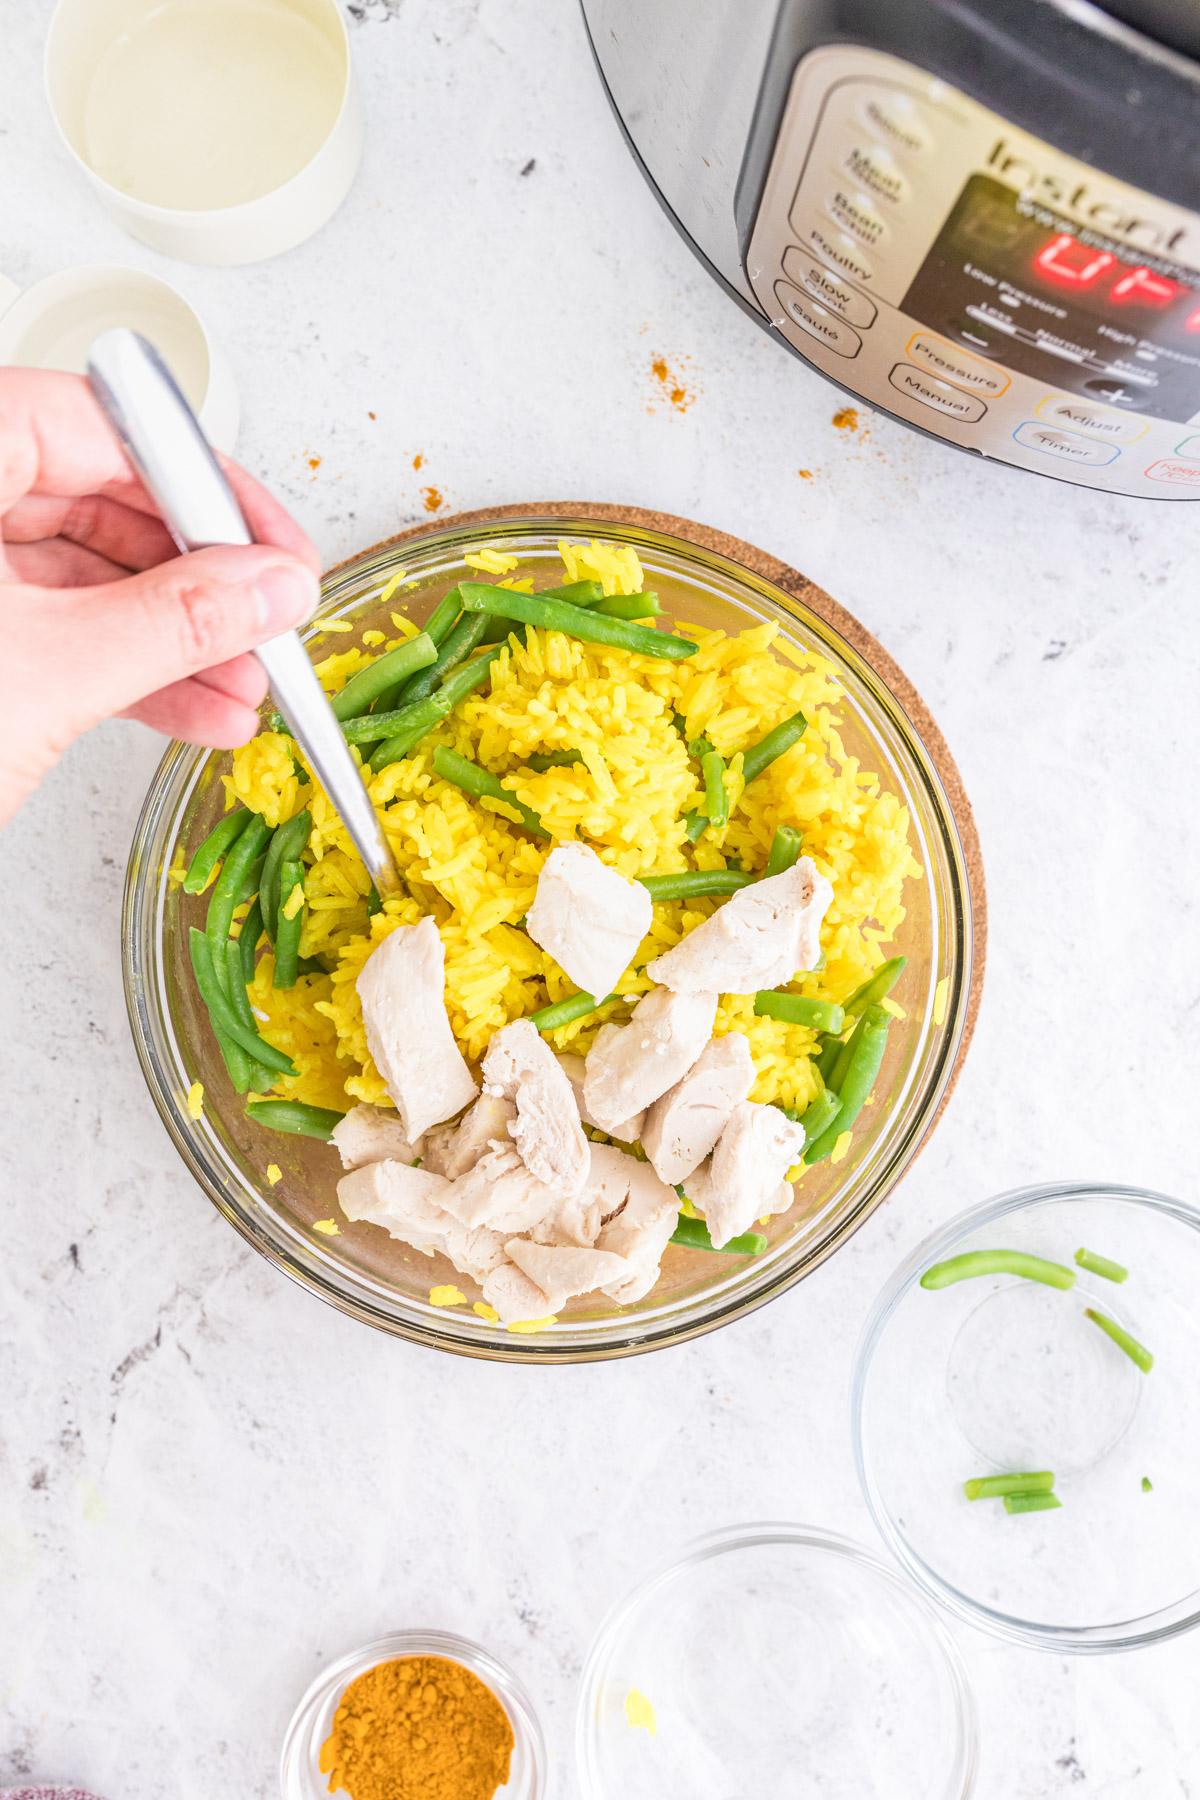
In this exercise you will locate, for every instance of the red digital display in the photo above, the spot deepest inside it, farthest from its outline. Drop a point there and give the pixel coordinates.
(1067, 264)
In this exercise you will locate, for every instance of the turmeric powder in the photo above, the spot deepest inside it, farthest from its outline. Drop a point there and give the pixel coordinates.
(418, 1728)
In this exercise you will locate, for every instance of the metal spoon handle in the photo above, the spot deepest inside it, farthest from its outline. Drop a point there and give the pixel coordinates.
(170, 452)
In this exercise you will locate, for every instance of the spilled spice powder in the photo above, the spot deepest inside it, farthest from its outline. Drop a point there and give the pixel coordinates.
(805, 474)
(845, 419)
(671, 384)
(419, 1726)
(419, 460)
(314, 462)
(431, 499)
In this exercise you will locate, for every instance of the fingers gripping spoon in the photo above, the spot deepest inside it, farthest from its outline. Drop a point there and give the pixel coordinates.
(175, 461)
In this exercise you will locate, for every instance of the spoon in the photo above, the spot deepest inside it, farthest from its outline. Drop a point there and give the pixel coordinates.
(170, 452)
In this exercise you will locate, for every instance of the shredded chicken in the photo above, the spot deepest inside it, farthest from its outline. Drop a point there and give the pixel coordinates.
(742, 1180)
(588, 917)
(520, 1066)
(402, 989)
(367, 1134)
(640, 1232)
(766, 934)
(452, 1150)
(630, 1066)
(562, 1272)
(574, 1068)
(410, 1204)
(682, 1127)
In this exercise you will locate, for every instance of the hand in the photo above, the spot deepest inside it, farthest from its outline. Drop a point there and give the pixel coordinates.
(100, 614)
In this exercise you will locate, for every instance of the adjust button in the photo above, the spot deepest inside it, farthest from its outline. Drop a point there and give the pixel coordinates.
(1093, 421)
(936, 394)
(829, 288)
(956, 365)
(1176, 470)
(1067, 446)
(874, 169)
(855, 214)
(817, 321)
(897, 121)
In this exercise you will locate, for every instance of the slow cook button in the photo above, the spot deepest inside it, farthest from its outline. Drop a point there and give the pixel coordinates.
(1176, 471)
(829, 288)
(1093, 421)
(817, 321)
(1067, 446)
(855, 214)
(839, 251)
(936, 394)
(876, 171)
(897, 121)
(956, 365)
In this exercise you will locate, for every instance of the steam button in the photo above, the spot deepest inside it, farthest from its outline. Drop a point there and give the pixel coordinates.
(896, 119)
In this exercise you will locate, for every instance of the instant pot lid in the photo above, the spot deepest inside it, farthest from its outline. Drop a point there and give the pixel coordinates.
(1172, 22)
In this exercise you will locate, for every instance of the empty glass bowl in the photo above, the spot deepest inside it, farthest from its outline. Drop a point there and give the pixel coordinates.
(363, 1271)
(999, 1374)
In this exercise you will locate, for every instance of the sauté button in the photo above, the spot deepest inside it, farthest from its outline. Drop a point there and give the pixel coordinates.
(832, 290)
(955, 365)
(1093, 421)
(1176, 470)
(817, 321)
(874, 169)
(1066, 445)
(898, 121)
(938, 395)
(855, 214)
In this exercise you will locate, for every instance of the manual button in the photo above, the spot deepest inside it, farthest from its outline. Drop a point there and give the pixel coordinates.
(817, 321)
(956, 365)
(832, 290)
(936, 394)
(1093, 421)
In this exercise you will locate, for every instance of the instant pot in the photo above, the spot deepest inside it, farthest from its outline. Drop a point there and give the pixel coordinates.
(975, 215)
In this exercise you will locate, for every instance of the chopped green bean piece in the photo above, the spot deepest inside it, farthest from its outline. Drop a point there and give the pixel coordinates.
(974, 1263)
(693, 1235)
(541, 760)
(1137, 1353)
(576, 593)
(785, 851)
(819, 1115)
(697, 825)
(236, 1059)
(794, 1009)
(565, 1012)
(628, 606)
(248, 940)
(468, 676)
(458, 646)
(221, 1009)
(258, 1078)
(482, 784)
(226, 895)
(1027, 1503)
(384, 672)
(287, 845)
(877, 988)
(994, 1487)
(210, 852)
(1100, 1265)
(854, 1089)
(287, 930)
(295, 1117)
(575, 621)
(690, 884)
(716, 795)
(759, 756)
(427, 712)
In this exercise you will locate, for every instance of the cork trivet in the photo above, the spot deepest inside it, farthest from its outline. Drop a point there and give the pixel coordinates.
(797, 587)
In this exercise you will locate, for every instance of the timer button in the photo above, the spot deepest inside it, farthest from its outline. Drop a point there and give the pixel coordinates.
(876, 171)
(926, 390)
(956, 366)
(897, 120)
(837, 250)
(832, 290)
(1066, 446)
(857, 217)
(817, 321)
(1092, 421)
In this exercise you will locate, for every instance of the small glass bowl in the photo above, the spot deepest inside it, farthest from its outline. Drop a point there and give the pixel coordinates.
(773, 1659)
(998, 1374)
(368, 1274)
(300, 1777)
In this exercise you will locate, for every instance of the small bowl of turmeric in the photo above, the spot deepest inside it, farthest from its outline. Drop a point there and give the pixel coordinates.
(420, 1712)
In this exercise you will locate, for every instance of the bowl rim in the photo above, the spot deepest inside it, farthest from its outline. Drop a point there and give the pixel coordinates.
(731, 1538)
(935, 766)
(1079, 1640)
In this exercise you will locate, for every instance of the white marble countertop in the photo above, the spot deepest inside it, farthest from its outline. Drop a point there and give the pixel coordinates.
(210, 1483)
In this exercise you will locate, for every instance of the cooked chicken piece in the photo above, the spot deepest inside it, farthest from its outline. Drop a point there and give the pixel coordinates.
(588, 917)
(367, 1134)
(452, 1150)
(640, 1232)
(630, 1066)
(763, 936)
(516, 1298)
(579, 1218)
(683, 1126)
(410, 1205)
(561, 1271)
(574, 1067)
(741, 1181)
(500, 1192)
(519, 1065)
(402, 989)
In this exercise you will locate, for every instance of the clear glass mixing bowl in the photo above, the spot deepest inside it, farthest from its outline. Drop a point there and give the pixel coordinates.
(369, 1275)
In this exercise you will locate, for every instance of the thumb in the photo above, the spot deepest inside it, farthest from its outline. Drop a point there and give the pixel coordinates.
(129, 638)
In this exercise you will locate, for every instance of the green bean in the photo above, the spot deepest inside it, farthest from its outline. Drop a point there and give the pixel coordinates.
(457, 685)
(1147, 1485)
(716, 795)
(259, 1078)
(565, 1012)
(994, 1487)
(252, 881)
(847, 1050)
(877, 987)
(794, 1009)
(761, 755)
(697, 825)
(437, 628)
(1100, 1265)
(973, 1263)
(1027, 1503)
(221, 1009)
(384, 672)
(785, 851)
(541, 760)
(576, 593)
(693, 1235)
(468, 676)
(481, 784)
(575, 621)
(248, 939)
(831, 1049)
(286, 846)
(690, 884)
(209, 853)
(1137, 1353)
(426, 712)
(819, 1115)
(295, 1117)
(287, 930)
(225, 896)
(464, 638)
(236, 1058)
(628, 606)
(854, 1090)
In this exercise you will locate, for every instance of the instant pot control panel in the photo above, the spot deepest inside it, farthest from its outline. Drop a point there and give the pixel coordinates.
(978, 283)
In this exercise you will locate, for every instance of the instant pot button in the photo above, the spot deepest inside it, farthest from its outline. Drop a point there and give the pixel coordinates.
(836, 249)
(939, 395)
(1188, 446)
(832, 290)
(874, 169)
(856, 214)
(963, 370)
(1092, 421)
(1176, 470)
(897, 121)
(817, 321)
(1066, 446)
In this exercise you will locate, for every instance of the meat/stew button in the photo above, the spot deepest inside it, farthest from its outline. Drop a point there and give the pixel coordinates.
(926, 390)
